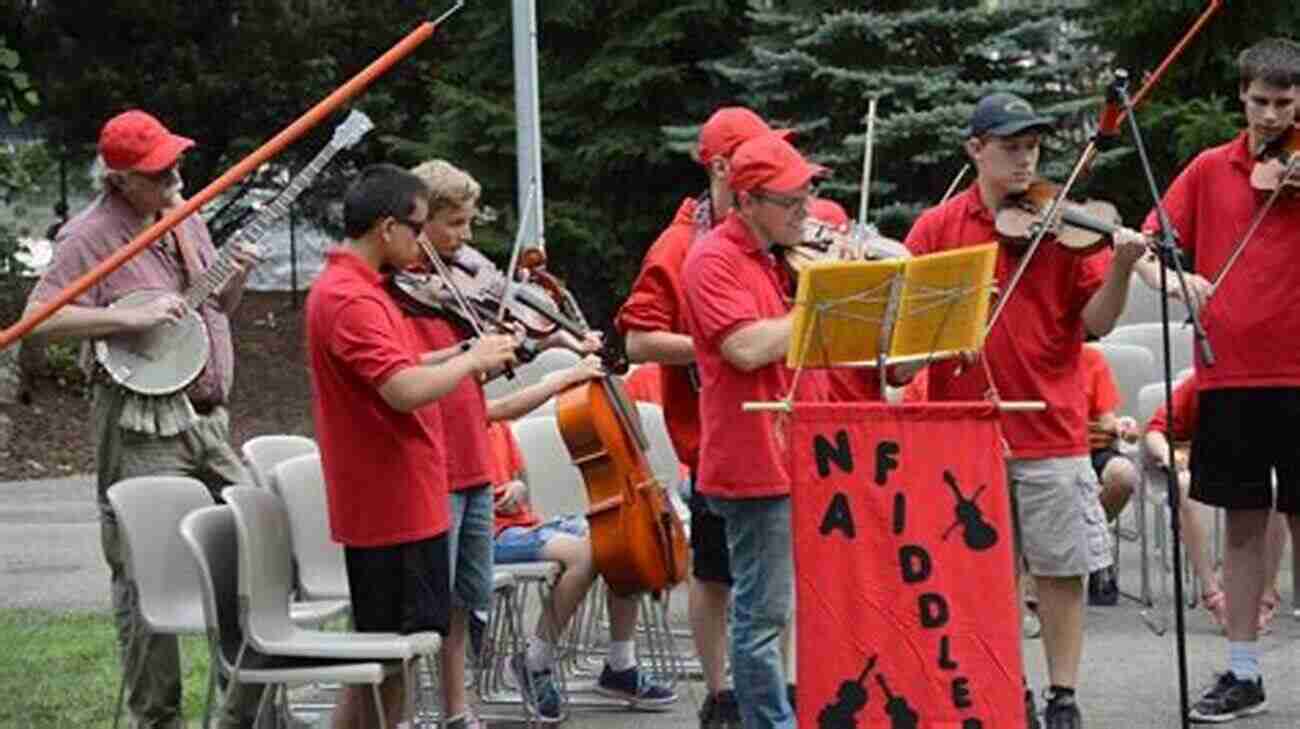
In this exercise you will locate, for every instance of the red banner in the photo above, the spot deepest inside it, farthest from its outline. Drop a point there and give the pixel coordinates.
(904, 574)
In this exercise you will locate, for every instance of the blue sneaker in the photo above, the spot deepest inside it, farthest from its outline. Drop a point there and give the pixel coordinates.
(632, 686)
(540, 694)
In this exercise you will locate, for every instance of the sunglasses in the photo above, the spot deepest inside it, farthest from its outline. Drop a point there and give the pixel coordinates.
(415, 226)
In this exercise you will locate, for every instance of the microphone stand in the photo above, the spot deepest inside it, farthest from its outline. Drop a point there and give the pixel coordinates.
(1167, 250)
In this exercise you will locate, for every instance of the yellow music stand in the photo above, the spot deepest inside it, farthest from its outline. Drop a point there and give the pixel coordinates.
(874, 313)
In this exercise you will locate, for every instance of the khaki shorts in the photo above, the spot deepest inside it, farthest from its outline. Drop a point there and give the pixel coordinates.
(1062, 529)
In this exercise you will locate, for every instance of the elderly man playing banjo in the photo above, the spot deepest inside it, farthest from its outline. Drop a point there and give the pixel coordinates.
(166, 418)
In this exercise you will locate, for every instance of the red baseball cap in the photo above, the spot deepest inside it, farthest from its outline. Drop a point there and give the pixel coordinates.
(728, 128)
(771, 163)
(135, 140)
(828, 211)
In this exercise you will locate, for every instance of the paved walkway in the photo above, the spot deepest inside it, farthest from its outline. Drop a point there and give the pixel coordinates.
(50, 558)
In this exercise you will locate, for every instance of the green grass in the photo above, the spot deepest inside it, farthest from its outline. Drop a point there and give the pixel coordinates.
(61, 670)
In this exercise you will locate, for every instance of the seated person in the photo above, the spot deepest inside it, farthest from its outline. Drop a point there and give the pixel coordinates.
(1193, 515)
(523, 537)
(1116, 472)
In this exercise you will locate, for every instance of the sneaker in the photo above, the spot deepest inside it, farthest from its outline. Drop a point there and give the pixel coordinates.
(464, 721)
(1230, 698)
(727, 710)
(633, 686)
(709, 713)
(1103, 588)
(1031, 711)
(537, 688)
(1062, 713)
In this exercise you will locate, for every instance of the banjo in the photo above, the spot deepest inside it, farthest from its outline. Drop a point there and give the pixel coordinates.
(166, 358)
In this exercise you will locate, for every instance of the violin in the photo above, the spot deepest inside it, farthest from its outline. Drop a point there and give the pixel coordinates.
(1277, 163)
(824, 242)
(468, 290)
(1080, 228)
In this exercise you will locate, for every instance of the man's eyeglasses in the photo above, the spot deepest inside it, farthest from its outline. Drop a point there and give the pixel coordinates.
(782, 201)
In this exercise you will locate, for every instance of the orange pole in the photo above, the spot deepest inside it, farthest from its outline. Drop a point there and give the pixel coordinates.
(268, 150)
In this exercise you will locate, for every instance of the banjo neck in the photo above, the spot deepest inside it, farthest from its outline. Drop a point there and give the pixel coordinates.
(219, 273)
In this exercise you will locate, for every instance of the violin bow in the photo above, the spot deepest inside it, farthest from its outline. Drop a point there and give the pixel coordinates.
(1090, 152)
(1291, 166)
(519, 245)
(867, 146)
(440, 267)
(271, 148)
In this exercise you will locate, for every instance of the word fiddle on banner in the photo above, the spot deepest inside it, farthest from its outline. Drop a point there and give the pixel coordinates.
(905, 584)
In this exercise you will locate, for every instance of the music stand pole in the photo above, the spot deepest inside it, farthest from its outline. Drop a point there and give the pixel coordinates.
(1168, 251)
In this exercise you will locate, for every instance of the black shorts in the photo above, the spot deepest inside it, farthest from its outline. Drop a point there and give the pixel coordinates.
(1242, 436)
(709, 558)
(1103, 456)
(405, 588)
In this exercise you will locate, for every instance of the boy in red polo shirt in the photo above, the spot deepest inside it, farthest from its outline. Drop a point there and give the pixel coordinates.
(385, 467)
(740, 322)
(653, 321)
(1116, 472)
(1251, 315)
(1033, 353)
(463, 415)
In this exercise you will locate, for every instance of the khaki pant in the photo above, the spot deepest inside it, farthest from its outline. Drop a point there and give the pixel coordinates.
(202, 452)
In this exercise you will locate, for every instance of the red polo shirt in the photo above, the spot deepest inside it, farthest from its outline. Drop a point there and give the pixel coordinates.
(730, 281)
(507, 465)
(385, 472)
(1034, 350)
(1186, 411)
(462, 413)
(658, 304)
(1099, 383)
(1253, 318)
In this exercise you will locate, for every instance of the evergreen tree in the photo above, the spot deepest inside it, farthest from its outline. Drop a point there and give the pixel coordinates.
(611, 75)
(927, 62)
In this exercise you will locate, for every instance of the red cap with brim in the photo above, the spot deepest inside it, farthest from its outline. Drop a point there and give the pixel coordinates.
(770, 163)
(135, 140)
(728, 128)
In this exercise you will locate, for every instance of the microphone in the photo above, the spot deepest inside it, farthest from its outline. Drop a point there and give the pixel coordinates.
(1112, 109)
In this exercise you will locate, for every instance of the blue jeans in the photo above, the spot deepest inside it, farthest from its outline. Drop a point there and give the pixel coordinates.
(521, 544)
(470, 546)
(762, 567)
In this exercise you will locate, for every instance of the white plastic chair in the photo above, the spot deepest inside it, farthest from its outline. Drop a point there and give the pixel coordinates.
(546, 362)
(1143, 304)
(1151, 336)
(554, 484)
(266, 581)
(209, 532)
(167, 596)
(264, 452)
(322, 573)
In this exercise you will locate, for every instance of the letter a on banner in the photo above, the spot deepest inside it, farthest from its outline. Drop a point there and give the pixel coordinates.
(907, 605)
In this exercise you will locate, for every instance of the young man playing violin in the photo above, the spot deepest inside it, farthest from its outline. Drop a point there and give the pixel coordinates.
(463, 416)
(653, 321)
(1251, 312)
(387, 505)
(1033, 353)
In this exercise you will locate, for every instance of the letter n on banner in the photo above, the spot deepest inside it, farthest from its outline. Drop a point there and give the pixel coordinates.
(905, 587)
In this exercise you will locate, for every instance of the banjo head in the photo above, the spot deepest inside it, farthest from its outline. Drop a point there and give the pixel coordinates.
(158, 361)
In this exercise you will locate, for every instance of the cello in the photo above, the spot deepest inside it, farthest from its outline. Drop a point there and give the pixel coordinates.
(638, 543)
